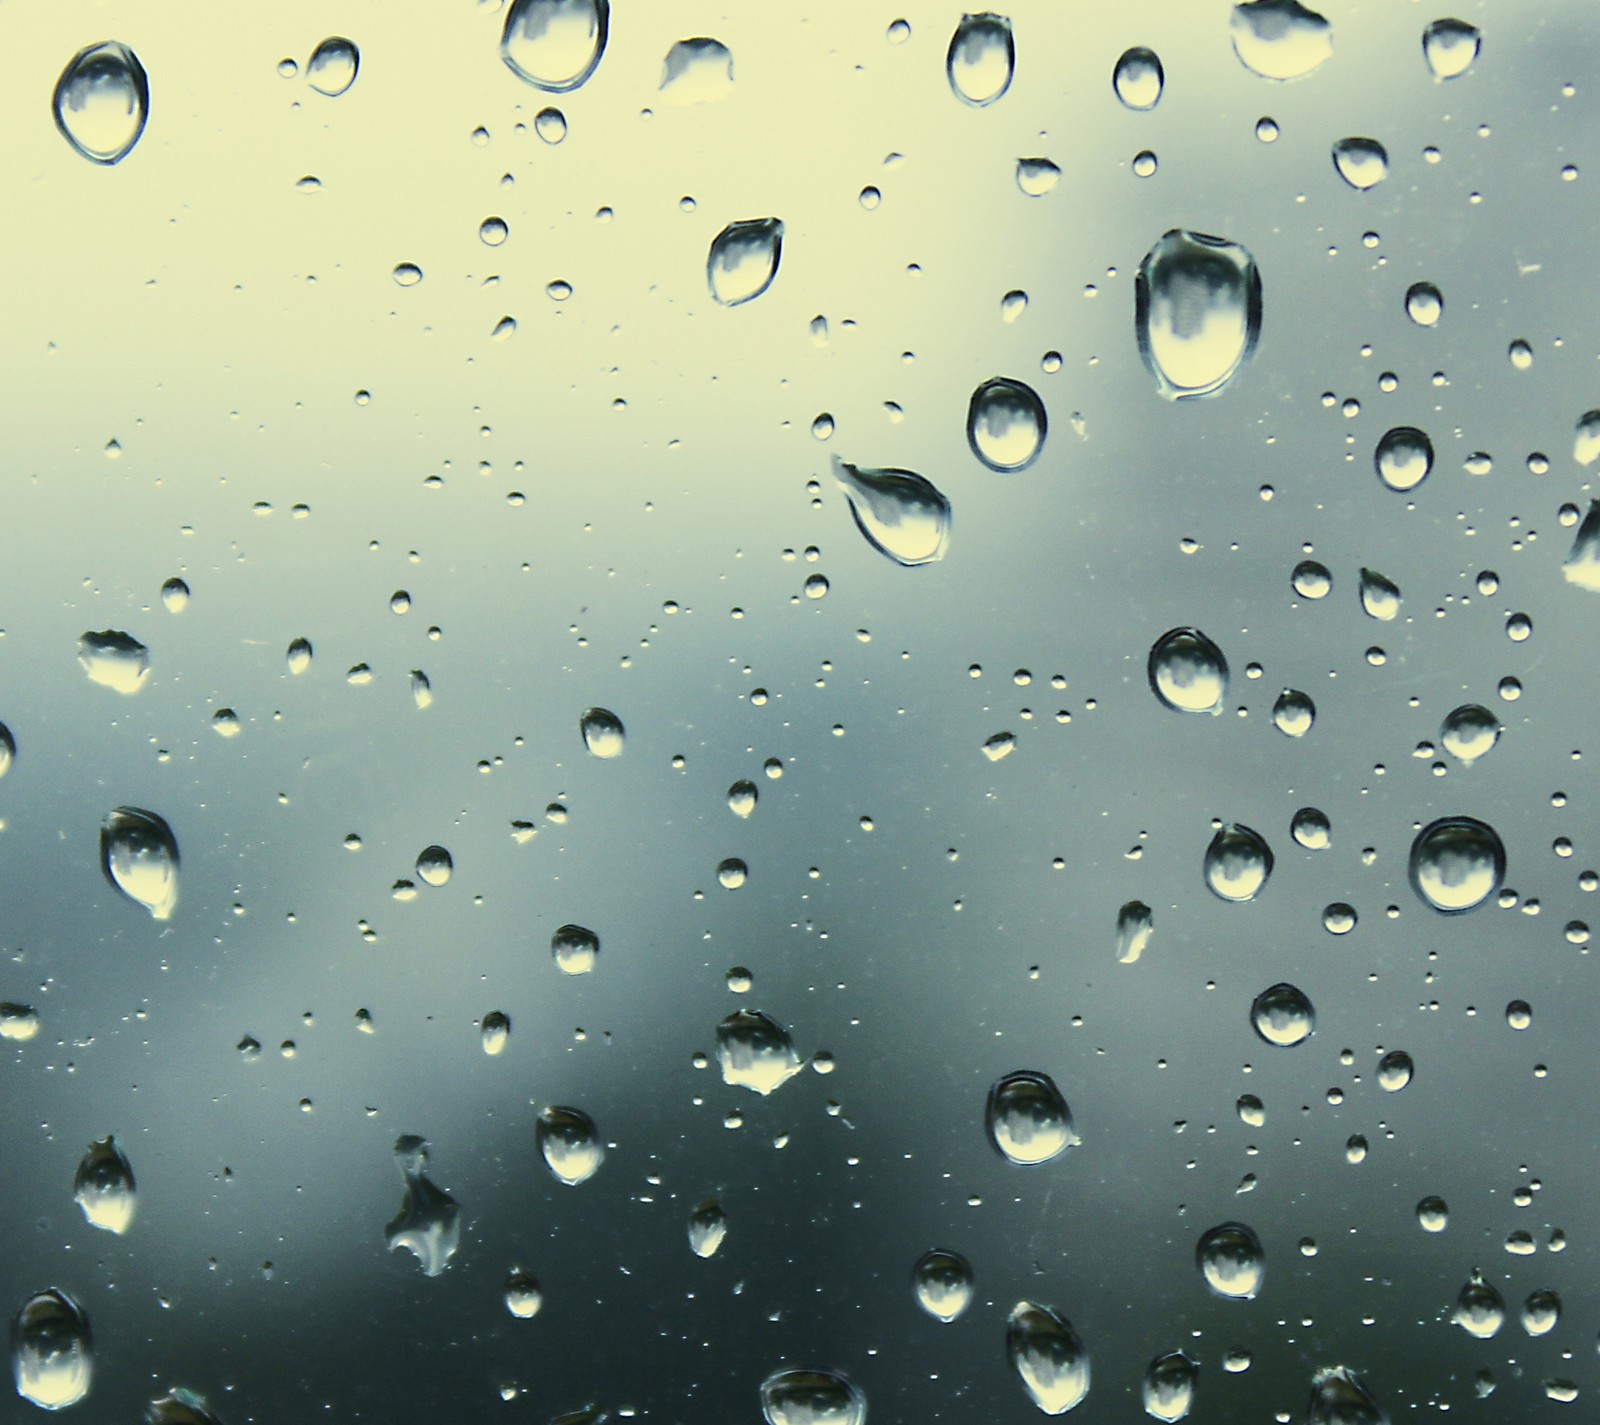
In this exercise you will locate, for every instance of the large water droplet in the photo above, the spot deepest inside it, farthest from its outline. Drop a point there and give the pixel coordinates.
(1424, 304)
(52, 1353)
(1048, 1357)
(139, 855)
(1338, 1397)
(1280, 39)
(114, 660)
(1450, 46)
(1433, 1215)
(429, 1222)
(602, 731)
(744, 259)
(1469, 731)
(1237, 863)
(1283, 1016)
(299, 656)
(755, 1051)
(696, 71)
(1028, 1119)
(1362, 163)
(570, 1144)
(1197, 312)
(180, 1407)
(333, 66)
(575, 949)
(1480, 1309)
(742, 798)
(1138, 78)
(1135, 926)
(1457, 863)
(942, 1284)
(982, 58)
(1403, 458)
(103, 1187)
(554, 44)
(1169, 1385)
(708, 1225)
(1380, 597)
(1582, 564)
(522, 1295)
(1231, 1260)
(1312, 829)
(1005, 424)
(902, 515)
(101, 102)
(812, 1398)
(1188, 672)
(1294, 714)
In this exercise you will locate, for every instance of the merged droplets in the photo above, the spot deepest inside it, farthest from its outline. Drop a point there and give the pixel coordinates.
(333, 66)
(1339, 1397)
(812, 1398)
(429, 1222)
(1380, 597)
(1028, 1119)
(1169, 1385)
(101, 101)
(1582, 564)
(1283, 1016)
(1449, 47)
(1457, 863)
(1006, 424)
(554, 45)
(903, 516)
(1469, 731)
(139, 856)
(755, 1052)
(1048, 1356)
(1135, 925)
(574, 949)
(1139, 78)
(981, 60)
(1188, 672)
(1362, 163)
(1403, 458)
(1424, 304)
(114, 660)
(744, 259)
(570, 1144)
(696, 71)
(1237, 863)
(1280, 39)
(52, 1353)
(708, 1225)
(1197, 312)
(1480, 1309)
(1231, 1261)
(603, 734)
(942, 1284)
(103, 1187)
(1294, 714)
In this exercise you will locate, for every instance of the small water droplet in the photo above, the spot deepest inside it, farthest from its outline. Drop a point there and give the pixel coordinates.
(1138, 78)
(1135, 926)
(434, 865)
(1457, 863)
(333, 65)
(570, 1144)
(299, 656)
(1469, 731)
(1048, 1356)
(1027, 1118)
(708, 1225)
(101, 101)
(52, 1352)
(575, 949)
(812, 1398)
(1169, 1386)
(755, 1052)
(1403, 458)
(1293, 714)
(1006, 424)
(744, 259)
(902, 515)
(551, 125)
(139, 856)
(696, 71)
(1197, 312)
(180, 1407)
(103, 1187)
(981, 59)
(1432, 1214)
(114, 660)
(1449, 47)
(942, 1284)
(1187, 671)
(1283, 1016)
(1231, 1260)
(175, 596)
(407, 274)
(602, 731)
(1480, 1309)
(1237, 863)
(1037, 176)
(1424, 304)
(1339, 1397)
(495, 1031)
(429, 1222)
(554, 45)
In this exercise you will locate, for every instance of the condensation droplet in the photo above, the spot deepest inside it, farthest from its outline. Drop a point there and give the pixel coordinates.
(696, 71)
(1048, 1356)
(1480, 1309)
(101, 102)
(812, 1397)
(333, 66)
(1540, 1312)
(1283, 1016)
(1457, 863)
(139, 856)
(1424, 304)
(1197, 312)
(103, 1187)
(429, 1222)
(1380, 597)
(1168, 1389)
(1340, 1397)
(570, 1144)
(1139, 78)
(1582, 564)
(1037, 176)
(1293, 714)
(708, 1225)
(1135, 925)
(942, 1284)
(1311, 580)
(1362, 163)
(1237, 863)
(1469, 731)
(522, 1296)
(1395, 1071)
(981, 59)
(1027, 1118)
(575, 949)
(1432, 1214)
(554, 45)
(434, 865)
(744, 259)
(494, 1032)
(52, 1351)
(603, 734)
(1449, 47)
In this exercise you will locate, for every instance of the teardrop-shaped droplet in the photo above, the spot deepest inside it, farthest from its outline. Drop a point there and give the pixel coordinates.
(708, 1225)
(1362, 163)
(744, 260)
(1294, 714)
(1169, 1386)
(1395, 1071)
(1280, 39)
(1450, 46)
(429, 1222)
(1457, 863)
(522, 1295)
(1283, 1016)
(602, 731)
(1006, 424)
(942, 1284)
(1188, 672)
(1480, 1309)
(1424, 304)
(52, 1352)
(495, 1031)
(755, 1052)
(114, 660)
(101, 102)
(1339, 1397)
(570, 1144)
(1197, 312)
(743, 795)
(1380, 597)
(333, 66)
(1540, 1312)
(1135, 925)
(1231, 1260)
(575, 949)
(982, 59)
(554, 45)
(434, 865)
(1237, 863)
(1028, 1119)
(696, 71)
(812, 1398)
(1582, 564)
(103, 1187)
(902, 515)
(180, 1407)
(1403, 458)
(1048, 1356)
(139, 856)
(1139, 78)
(1469, 731)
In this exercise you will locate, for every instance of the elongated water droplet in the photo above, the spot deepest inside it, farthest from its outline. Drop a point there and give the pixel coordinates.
(1540, 1312)
(495, 1031)
(333, 65)
(1037, 176)
(902, 515)
(1283, 1016)
(982, 59)
(1048, 1356)
(1293, 714)
(1231, 1260)
(942, 1284)
(1582, 564)
(103, 1187)
(180, 1407)
(570, 1144)
(744, 260)
(1403, 458)
(1362, 163)
(1449, 47)
(1424, 304)
(101, 102)
(1338, 1397)
(1169, 1386)
(1469, 731)
(575, 949)
(755, 1052)
(139, 856)
(434, 866)
(554, 45)
(1188, 672)
(1480, 1309)
(696, 71)
(1028, 1119)
(1280, 39)
(1237, 863)
(1457, 863)
(1139, 78)
(1380, 597)
(429, 1222)
(1006, 424)
(114, 660)
(522, 1295)
(1395, 1071)
(742, 798)
(602, 731)
(1197, 312)
(708, 1225)
(52, 1352)
(812, 1398)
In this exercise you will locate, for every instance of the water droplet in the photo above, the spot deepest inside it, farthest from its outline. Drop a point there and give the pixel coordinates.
(902, 515)
(755, 1052)
(1250, 1109)
(942, 1284)
(103, 1187)
(18, 1022)
(1450, 46)
(551, 126)
(101, 102)
(299, 656)
(1188, 672)
(407, 274)
(982, 58)
(1293, 714)
(1582, 564)
(1231, 1261)
(522, 1296)
(1145, 163)
(1280, 39)
(575, 949)
(696, 71)
(139, 856)
(1521, 354)
(1311, 580)
(434, 865)
(1169, 1386)
(1028, 1119)
(1013, 305)
(1457, 863)
(1432, 1214)
(1395, 1070)
(570, 1144)
(1197, 312)
(1005, 424)
(812, 1398)
(175, 596)
(732, 873)
(333, 65)
(1540, 1312)
(1135, 926)
(1424, 304)
(1339, 1397)
(495, 1031)
(554, 44)
(708, 1225)
(114, 660)
(1586, 438)
(1283, 1016)
(1139, 78)
(744, 260)
(1480, 1310)
(1469, 731)
(1380, 597)
(1237, 863)
(1048, 1357)
(602, 732)
(1362, 163)
(428, 1224)
(1037, 176)
(1403, 458)
(52, 1352)
(742, 798)
(180, 1407)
